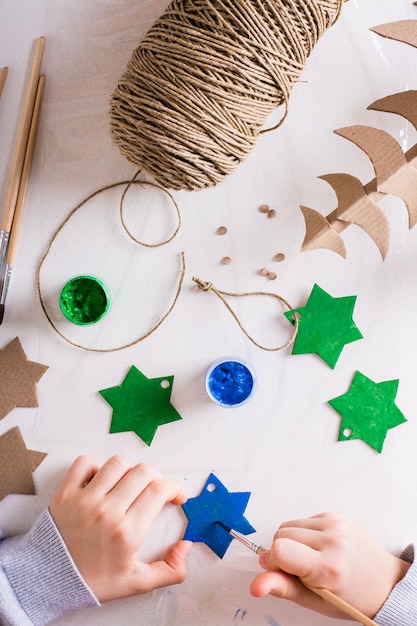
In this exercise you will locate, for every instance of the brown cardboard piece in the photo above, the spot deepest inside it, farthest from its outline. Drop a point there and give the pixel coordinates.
(403, 30)
(18, 378)
(395, 172)
(17, 464)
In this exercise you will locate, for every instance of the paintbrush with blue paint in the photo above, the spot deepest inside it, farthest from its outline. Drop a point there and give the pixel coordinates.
(327, 595)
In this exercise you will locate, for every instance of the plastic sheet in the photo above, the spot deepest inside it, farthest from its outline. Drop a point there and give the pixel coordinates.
(282, 445)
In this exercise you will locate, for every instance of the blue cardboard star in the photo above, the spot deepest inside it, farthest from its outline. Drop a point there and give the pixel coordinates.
(141, 404)
(216, 504)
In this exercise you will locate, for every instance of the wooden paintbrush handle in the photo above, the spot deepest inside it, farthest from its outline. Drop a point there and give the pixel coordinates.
(3, 76)
(24, 179)
(331, 598)
(17, 162)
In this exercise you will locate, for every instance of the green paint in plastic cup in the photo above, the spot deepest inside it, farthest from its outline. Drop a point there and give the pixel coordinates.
(84, 300)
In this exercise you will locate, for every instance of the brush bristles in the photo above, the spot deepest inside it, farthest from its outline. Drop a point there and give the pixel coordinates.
(226, 528)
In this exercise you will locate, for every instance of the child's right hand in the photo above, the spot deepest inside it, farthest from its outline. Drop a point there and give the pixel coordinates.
(330, 552)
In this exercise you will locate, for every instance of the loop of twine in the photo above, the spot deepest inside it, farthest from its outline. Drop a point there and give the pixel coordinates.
(208, 286)
(122, 219)
(200, 86)
(127, 183)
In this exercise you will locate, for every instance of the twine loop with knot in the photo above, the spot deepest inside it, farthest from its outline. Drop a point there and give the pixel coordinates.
(204, 285)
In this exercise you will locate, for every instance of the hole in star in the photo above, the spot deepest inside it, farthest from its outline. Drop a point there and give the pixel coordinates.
(347, 432)
(164, 384)
(211, 487)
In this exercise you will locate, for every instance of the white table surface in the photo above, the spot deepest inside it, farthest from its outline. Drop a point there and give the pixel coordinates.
(281, 446)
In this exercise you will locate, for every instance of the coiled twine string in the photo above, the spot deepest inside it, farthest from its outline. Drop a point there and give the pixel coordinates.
(200, 86)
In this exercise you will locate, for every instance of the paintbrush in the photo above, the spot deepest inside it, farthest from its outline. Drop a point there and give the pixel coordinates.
(20, 148)
(3, 76)
(327, 595)
(21, 195)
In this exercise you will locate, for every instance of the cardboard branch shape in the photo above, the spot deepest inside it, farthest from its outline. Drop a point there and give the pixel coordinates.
(395, 172)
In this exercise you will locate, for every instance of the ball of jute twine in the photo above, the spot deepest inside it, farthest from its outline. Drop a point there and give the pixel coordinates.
(200, 86)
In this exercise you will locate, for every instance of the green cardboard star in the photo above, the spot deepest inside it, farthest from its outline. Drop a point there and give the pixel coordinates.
(325, 325)
(141, 404)
(368, 411)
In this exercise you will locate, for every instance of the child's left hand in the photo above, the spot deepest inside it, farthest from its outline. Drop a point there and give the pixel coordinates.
(104, 515)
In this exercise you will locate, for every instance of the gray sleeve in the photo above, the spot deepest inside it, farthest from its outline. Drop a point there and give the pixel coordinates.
(400, 609)
(38, 578)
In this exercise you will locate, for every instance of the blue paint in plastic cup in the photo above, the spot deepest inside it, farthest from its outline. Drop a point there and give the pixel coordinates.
(230, 382)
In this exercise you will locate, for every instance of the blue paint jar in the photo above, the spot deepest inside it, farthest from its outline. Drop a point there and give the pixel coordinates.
(230, 382)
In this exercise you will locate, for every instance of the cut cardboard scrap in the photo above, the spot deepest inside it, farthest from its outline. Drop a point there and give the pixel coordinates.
(320, 232)
(403, 30)
(403, 103)
(395, 172)
(355, 207)
(18, 378)
(325, 325)
(368, 411)
(216, 504)
(17, 464)
(141, 404)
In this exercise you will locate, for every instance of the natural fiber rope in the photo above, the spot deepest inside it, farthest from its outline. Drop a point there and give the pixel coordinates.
(127, 184)
(200, 86)
(207, 286)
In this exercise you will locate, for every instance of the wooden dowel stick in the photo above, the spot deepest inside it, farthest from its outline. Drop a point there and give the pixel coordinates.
(3, 77)
(24, 179)
(17, 163)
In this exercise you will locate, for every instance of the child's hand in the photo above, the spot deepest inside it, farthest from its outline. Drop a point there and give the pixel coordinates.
(104, 516)
(331, 552)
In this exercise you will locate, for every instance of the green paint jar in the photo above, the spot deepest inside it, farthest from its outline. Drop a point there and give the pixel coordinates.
(84, 300)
